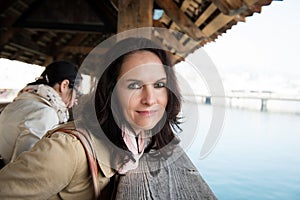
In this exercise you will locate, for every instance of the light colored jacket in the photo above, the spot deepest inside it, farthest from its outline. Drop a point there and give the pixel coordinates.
(24, 122)
(55, 168)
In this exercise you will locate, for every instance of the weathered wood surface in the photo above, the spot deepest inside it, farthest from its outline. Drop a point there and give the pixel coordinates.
(134, 14)
(176, 178)
(3, 105)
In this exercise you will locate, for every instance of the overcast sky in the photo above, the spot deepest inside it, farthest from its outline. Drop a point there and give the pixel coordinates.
(261, 54)
(264, 51)
(269, 40)
(15, 74)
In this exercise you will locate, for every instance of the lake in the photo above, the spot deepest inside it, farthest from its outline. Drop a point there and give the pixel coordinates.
(257, 156)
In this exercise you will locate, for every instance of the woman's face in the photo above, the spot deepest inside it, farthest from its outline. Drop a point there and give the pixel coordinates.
(69, 95)
(141, 90)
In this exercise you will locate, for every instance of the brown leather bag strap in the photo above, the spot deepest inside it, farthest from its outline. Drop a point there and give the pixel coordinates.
(85, 140)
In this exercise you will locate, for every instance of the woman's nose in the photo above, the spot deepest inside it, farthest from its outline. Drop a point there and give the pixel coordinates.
(148, 95)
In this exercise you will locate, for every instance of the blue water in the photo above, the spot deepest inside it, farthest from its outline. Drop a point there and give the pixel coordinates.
(257, 156)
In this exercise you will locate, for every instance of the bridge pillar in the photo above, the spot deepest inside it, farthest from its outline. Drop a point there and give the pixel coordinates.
(208, 100)
(263, 107)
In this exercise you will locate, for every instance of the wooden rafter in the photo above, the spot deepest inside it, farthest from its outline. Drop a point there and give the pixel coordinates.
(6, 36)
(29, 33)
(183, 22)
(107, 12)
(230, 7)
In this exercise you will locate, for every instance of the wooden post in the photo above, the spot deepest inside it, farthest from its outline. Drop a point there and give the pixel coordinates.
(135, 14)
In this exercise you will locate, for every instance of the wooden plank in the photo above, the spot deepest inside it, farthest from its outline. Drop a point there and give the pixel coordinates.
(256, 5)
(30, 48)
(189, 5)
(207, 13)
(217, 23)
(48, 60)
(107, 11)
(174, 178)
(76, 49)
(6, 36)
(83, 50)
(178, 16)
(250, 2)
(5, 5)
(134, 14)
(77, 39)
(165, 19)
(230, 7)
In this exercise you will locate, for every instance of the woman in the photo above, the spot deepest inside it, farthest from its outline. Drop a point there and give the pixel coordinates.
(39, 107)
(136, 103)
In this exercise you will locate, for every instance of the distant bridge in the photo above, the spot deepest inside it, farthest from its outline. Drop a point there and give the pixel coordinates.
(263, 97)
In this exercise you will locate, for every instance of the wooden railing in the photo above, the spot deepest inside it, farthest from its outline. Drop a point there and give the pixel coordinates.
(175, 178)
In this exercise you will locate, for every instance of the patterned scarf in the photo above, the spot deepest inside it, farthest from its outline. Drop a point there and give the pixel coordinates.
(136, 144)
(50, 95)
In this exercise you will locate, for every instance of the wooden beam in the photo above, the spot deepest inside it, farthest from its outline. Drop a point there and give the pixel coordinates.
(183, 21)
(218, 22)
(256, 5)
(8, 21)
(29, 49)
(77, 39)
(70, 31)
(76, 49)
(6, 36)
(250, 2)
(206, 14)
(48, 60)
(107, 12)
(26, 43)
(4, 5)
(230, 7)
(135, 14)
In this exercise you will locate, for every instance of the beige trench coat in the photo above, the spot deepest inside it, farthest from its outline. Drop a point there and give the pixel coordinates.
(55, 168)
(23, 123)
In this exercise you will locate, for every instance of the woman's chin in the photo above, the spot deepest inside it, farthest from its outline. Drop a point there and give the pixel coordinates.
(143, 127)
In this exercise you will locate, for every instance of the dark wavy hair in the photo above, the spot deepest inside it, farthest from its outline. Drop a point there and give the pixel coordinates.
(103, 101)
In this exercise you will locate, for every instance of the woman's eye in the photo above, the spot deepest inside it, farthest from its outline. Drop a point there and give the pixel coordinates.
(135, 85)
(160, 85)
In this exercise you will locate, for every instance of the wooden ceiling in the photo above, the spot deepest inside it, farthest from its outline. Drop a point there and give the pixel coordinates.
(40, 31)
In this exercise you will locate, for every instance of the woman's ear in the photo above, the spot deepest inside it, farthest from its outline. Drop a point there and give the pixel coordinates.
(64, 86)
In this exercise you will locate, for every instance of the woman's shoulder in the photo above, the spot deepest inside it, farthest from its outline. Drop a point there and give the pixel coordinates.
(28, 111)
(67, 135)
(57, 162)
(29, 103)
(61, 147)
(27, 97)
(72, 132)
(63, 133)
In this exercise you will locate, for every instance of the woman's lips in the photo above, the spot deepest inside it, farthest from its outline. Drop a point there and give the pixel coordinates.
(147, 113)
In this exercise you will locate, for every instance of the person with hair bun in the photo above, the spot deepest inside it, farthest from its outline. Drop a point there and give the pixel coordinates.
(38, 107)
